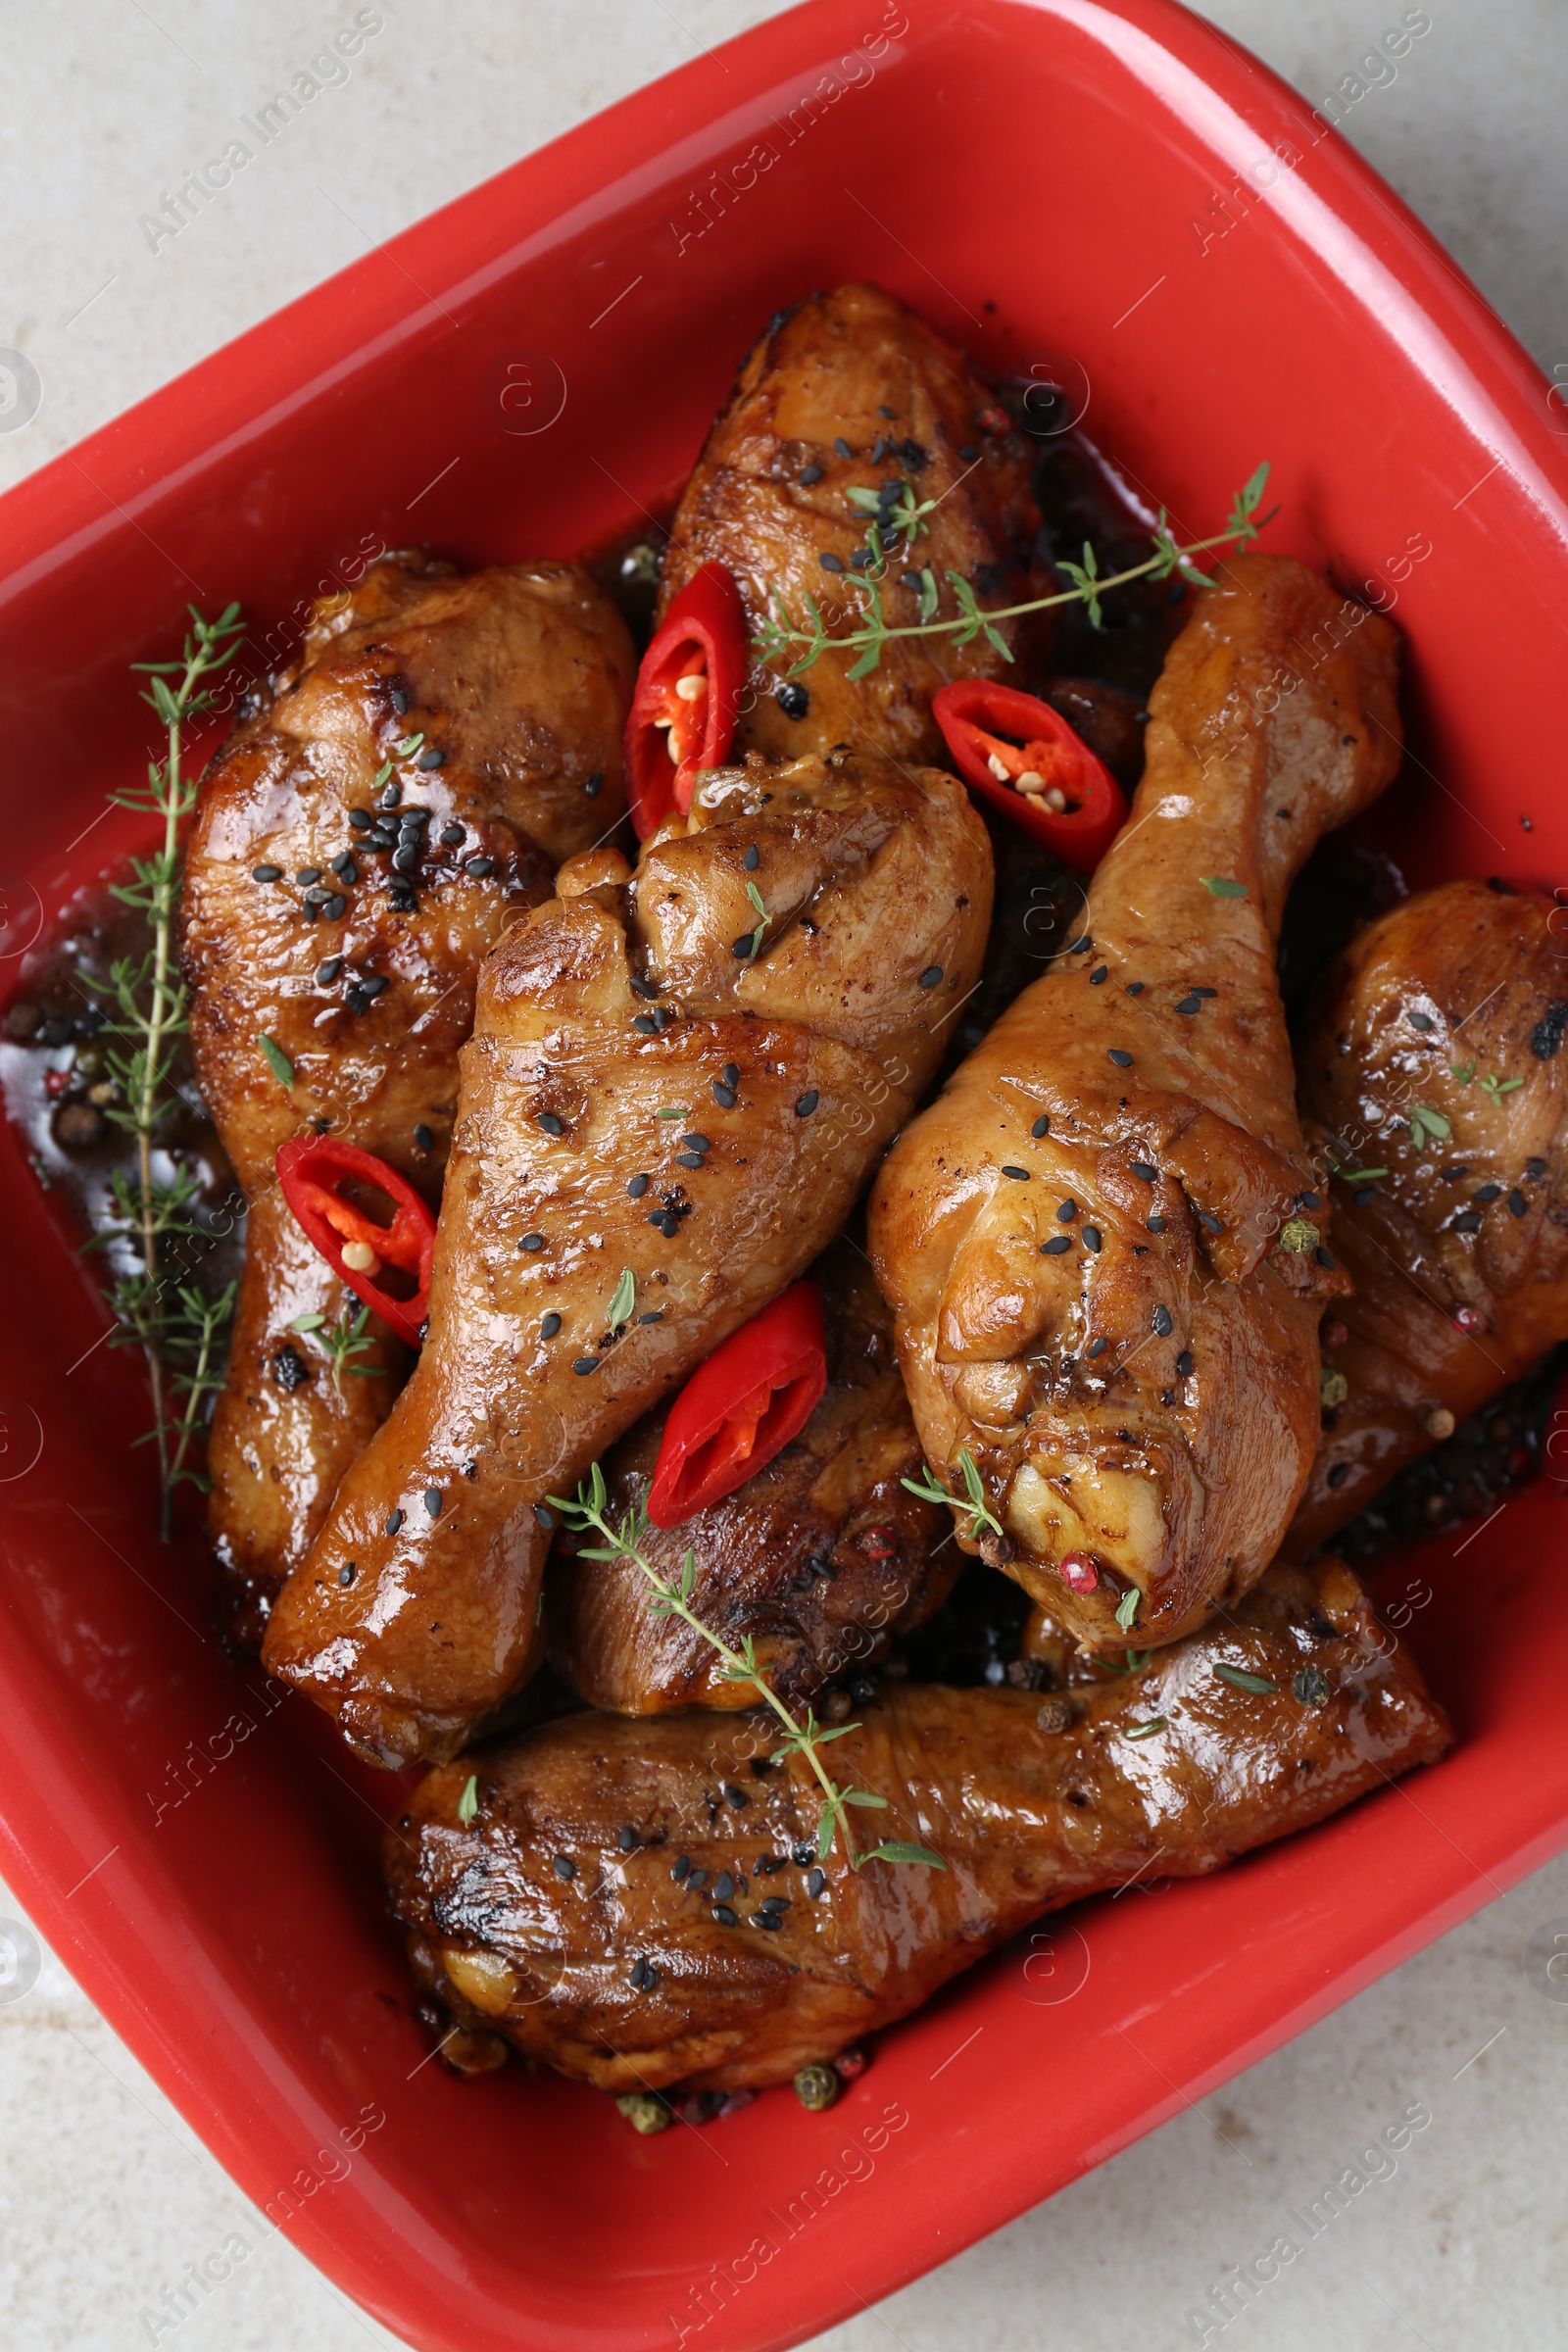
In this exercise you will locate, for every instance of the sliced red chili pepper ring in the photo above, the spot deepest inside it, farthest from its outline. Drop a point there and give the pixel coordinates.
(1023, 756)
(312, 1169)
(687, 694)
(753, 1396)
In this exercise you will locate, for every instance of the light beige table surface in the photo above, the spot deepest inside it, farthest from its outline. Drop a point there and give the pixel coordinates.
(105, 2196)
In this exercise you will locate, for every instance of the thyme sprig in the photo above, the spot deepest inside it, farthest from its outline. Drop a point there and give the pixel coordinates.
(176, 1326)
(783, 629)
(931, 1490)
(342, 1340)
(587, 1512)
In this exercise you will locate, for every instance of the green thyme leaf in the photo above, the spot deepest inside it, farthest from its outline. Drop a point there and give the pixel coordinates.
(1360, 1175)
(898, 1851)
(277, 1061)
(1127, 1608)
(1240, 1680)
(1219, 886)
(1428, 1126)
(624, 1300)
(1147, 1731)
(469, 1801)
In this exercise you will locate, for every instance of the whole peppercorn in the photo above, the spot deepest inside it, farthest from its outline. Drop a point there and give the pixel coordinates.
(816, 2086)
(644, 2112)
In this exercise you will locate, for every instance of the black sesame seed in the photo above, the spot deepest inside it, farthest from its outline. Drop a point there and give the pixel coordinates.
(636, 1187)
(334, 908)
(414, 817)
(681, 1867)
(1460, 1167)
(308, 874)
(645, 1023)
(696, 1143)
(1517, 1204)
(266, 873)
(1191, 1005)
(1184, 1362)
(544, 1519)
(584, 1365)
(645, 988)
(726, 1917)
(698, 1880)
(594, 784)
(689, 1160)
(1323, 1258)
(1057, 1242)
(667, 1225)
(563, 1866)
(1098, 1346)
(1101, 972)
(1141, 1167)
(931, 977)
(1338, 1474)
(1162, 1323)
(1156, 1225)
(1422, 1021)
(1134, 988)
(1066, 1211)
(1208, 1221)
(1471, 1221)
(344, 867)
(743, 944)
(753, 858)
(1041, 1126)
(1019, 1175)
(723, 1095)
(356, 1000)
(432, 1501)
(531, 1241)
(360, 819)
(327, 972)
(730, 1073)
(372, 987)
(815, 1881)
(723, 1886)
(914, 454)
(432, 758)
(735, 1796)
(1534, 1169)
(841, 445)
(829, 562)
(550, 1326)
(1308, 1199)
(808, 475)
(1092, 1237)
(793, 699)
(655, 1314)
(405, 857)
(1119, 1055)
(451, 835)
(392, 795)
(1488, 1192)
(478, 867)
(1079, 947)
(627, 1837)
(1365, 1196)
(765, 1919)
(806, 1104)
(550, 1124)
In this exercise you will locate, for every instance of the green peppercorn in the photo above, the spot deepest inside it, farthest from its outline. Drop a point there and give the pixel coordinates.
(644, 2112)
(816, 2086)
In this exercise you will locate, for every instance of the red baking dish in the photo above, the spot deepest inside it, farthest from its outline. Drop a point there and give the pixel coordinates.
(517, 376)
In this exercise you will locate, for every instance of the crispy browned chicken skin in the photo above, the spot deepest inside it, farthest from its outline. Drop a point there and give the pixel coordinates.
(767, 497)
(1453, 1003)
(661, 1083)
(820, 1557)
(519, 678)
(1088, 1239)
(534, 1921)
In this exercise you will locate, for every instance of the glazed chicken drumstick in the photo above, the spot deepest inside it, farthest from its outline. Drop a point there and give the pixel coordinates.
(360, 846)
(676, 1086)
(821, 1556)
(1438, 1058)
(851, 392)
(710, 1949)
(1103, 1243)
